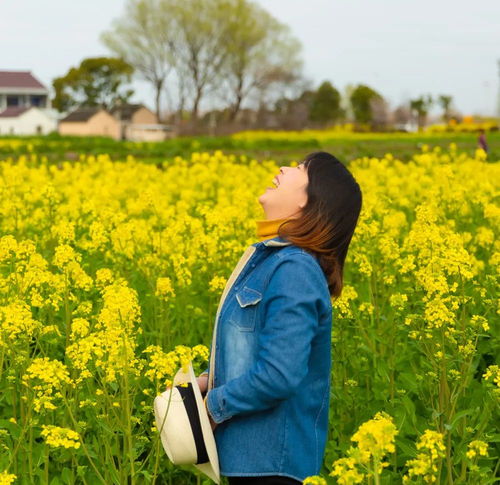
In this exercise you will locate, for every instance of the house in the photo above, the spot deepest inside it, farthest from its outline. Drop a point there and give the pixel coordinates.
(132, 122)
(139, 123)
(25, 109)
(24, 105)
(27, 120)
(94, 121)
(21, 88)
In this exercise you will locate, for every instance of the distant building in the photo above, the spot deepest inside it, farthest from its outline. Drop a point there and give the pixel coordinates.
(139, 123)
(21, 88)
(27, 120)
(25, 105)
(132, 122)
(90, 122)
(409, 126)
(25, 109)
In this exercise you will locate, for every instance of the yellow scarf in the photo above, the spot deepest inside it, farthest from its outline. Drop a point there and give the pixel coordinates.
(268, 228)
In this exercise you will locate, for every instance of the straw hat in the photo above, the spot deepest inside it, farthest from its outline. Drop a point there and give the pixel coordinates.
(184, 426)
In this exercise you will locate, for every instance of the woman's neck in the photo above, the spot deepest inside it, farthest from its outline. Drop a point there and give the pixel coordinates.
(268, 228)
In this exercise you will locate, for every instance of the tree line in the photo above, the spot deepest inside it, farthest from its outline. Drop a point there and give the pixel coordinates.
(225, 53)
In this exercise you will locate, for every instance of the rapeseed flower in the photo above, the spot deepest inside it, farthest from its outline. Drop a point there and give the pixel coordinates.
(7, 478)
(425, 465)
(477, 447)
(57, 437)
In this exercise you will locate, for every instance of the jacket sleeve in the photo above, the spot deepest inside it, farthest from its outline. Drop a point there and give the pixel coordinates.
(291, 312)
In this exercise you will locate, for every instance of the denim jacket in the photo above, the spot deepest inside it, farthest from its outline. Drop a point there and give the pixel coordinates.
(270, 364)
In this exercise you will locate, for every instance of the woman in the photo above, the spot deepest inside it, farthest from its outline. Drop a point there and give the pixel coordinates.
(269, 376)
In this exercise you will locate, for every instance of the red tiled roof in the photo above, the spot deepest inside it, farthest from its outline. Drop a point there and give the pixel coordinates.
(19, 79)
(13, 111)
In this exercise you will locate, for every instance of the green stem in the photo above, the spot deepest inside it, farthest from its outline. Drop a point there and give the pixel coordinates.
(128, 424)
(108, 405)
(449, 464)
(375, 472)
(66, 311)
(1, 361)
(155, 472)
(84, 447)
(46, 464)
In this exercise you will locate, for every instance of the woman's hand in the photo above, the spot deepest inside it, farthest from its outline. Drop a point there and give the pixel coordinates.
(203, 384)
(213, 424)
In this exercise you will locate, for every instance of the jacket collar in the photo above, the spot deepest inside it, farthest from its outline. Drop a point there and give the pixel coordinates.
(273, 242)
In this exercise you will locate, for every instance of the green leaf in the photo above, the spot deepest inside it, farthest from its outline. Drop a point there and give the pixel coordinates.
(409, 406)
(407, 379)
(406, 446)
(55, 481)
(459, 416)
(67, 476)
(13, 428)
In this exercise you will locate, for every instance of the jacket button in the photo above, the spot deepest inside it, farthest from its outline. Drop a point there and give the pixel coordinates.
(236, 288)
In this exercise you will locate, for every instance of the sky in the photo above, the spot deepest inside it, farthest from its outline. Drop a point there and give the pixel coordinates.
(401, 48)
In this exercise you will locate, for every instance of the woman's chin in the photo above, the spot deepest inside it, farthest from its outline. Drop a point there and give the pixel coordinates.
(263, 196)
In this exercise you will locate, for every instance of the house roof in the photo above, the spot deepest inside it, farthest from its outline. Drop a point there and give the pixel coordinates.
(14, 111)
(82, 114)
(19, 79)
(126, 111)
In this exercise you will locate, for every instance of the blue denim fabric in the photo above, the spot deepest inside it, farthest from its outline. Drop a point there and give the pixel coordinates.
(272, 366)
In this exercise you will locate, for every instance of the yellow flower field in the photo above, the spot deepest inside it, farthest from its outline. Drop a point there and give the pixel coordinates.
(110, 276)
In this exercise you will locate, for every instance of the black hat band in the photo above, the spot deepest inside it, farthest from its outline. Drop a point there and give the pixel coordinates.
(189, 400)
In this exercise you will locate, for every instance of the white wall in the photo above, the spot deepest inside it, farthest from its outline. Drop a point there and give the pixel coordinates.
(32, 122)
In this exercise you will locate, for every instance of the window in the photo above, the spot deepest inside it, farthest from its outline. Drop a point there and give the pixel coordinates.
(13, 100)
(36, 100)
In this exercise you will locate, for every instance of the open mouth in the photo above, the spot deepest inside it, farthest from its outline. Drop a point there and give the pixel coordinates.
(275, 182)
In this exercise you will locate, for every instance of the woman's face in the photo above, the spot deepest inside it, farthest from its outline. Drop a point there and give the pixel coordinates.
(288, 196)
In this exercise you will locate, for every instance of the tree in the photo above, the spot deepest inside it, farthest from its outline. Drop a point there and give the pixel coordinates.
(145, 38)
(325, 107)
(360, 99)
(231, 48)
(445, 103)
(262, 54)
(293, 113)
(380, 113)
(96, 82)
(201, 46)
(421, 107)
(345, 101)
(401, 115)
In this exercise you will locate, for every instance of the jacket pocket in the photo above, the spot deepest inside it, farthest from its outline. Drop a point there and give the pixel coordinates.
(244, 314)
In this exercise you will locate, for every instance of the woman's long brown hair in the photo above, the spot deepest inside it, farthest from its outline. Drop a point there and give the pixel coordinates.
(326, 225)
